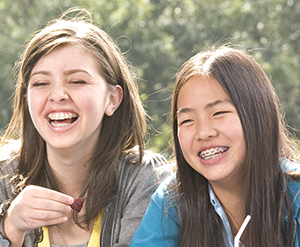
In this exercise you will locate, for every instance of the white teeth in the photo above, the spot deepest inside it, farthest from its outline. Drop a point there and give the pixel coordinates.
(61, 116)
(56, 117)
(212, 153)
(57, 125)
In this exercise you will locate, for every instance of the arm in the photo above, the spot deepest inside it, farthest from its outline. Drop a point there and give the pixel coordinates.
(160, 225)
(6, 196)
(138, 183)
(34, 207)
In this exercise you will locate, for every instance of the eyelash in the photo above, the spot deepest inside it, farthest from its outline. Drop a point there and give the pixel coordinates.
(39, 84)
(78, 82)
(220, 112)
(185, 121)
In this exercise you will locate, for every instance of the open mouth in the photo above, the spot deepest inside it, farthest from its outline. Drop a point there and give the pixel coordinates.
(212, 153)
(61, 119)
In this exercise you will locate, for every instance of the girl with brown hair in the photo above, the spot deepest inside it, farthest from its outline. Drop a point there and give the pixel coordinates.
(81, 125)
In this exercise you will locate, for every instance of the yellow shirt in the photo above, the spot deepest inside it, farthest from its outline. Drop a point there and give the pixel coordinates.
(94, 239)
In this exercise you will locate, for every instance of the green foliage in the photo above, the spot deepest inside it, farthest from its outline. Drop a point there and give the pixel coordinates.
(157, 36)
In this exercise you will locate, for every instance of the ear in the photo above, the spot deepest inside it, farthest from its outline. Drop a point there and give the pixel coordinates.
(114, 100)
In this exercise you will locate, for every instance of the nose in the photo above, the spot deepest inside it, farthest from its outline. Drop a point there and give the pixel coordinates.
(58, 93)
(205, 131)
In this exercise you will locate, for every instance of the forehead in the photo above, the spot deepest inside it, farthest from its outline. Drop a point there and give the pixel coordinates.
(199, 91)
(66, 57)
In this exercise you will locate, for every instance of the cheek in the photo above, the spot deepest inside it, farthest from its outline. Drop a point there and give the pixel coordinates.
(236, 135)
(184, 140)
(94, 107)
(236, 132)
(232, 127)
(35, 103)
(35, 108)
(241, 142)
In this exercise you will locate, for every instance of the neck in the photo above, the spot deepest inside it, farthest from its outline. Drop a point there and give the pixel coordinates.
(69, 234)
(233, 201)
(70, 169)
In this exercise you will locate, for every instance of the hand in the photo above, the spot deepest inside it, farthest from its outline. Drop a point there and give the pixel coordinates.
(35, 207)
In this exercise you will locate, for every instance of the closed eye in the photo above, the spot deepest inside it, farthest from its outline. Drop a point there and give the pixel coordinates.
(78, 82)
(220, 113)
(39, 84)
(185, 121)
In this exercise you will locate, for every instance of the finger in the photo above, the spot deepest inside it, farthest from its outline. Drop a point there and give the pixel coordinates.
(45, 204)
(55, 221)
(40, 192)
(45, 215)
(35, 223)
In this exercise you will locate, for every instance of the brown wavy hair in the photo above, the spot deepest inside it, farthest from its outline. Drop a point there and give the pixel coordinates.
(119, 134)
(267, 141)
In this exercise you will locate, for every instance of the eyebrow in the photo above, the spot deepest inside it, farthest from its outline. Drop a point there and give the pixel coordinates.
(209, 105)
(73, 71)
(42, 72)
(217, 102)
(68, 72)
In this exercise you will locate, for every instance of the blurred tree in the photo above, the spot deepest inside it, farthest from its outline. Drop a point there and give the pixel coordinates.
(157, 36)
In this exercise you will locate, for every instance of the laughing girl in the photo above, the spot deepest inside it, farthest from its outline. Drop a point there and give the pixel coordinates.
(81, 176)
(234, 159)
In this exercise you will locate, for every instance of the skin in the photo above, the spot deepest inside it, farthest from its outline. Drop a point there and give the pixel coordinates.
(207, 121)
(64, 83)
(67, 81)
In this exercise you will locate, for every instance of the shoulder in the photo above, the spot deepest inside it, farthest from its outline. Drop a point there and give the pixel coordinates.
(293, 185)
(8, 167)
(143, 177)
(7, 171)
(9, 150)
(148, 158)
(289, 166)
(154, 159)
(156, 163)
(152, 164)
(293, 188)
(161, 223)
(8, 158)
(166, 195)
(292, 169)
(166, 198)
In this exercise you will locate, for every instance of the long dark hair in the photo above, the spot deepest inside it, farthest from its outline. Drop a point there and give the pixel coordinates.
(267, 141)
(120, 133)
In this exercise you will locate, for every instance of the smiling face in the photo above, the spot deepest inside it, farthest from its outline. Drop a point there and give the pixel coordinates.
(210, 132)
(68, 97)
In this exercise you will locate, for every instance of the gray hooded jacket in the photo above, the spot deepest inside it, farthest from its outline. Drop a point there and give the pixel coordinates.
(121, 218)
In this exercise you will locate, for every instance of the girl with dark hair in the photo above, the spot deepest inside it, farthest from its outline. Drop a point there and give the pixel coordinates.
(234, 158)
(81, 124)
